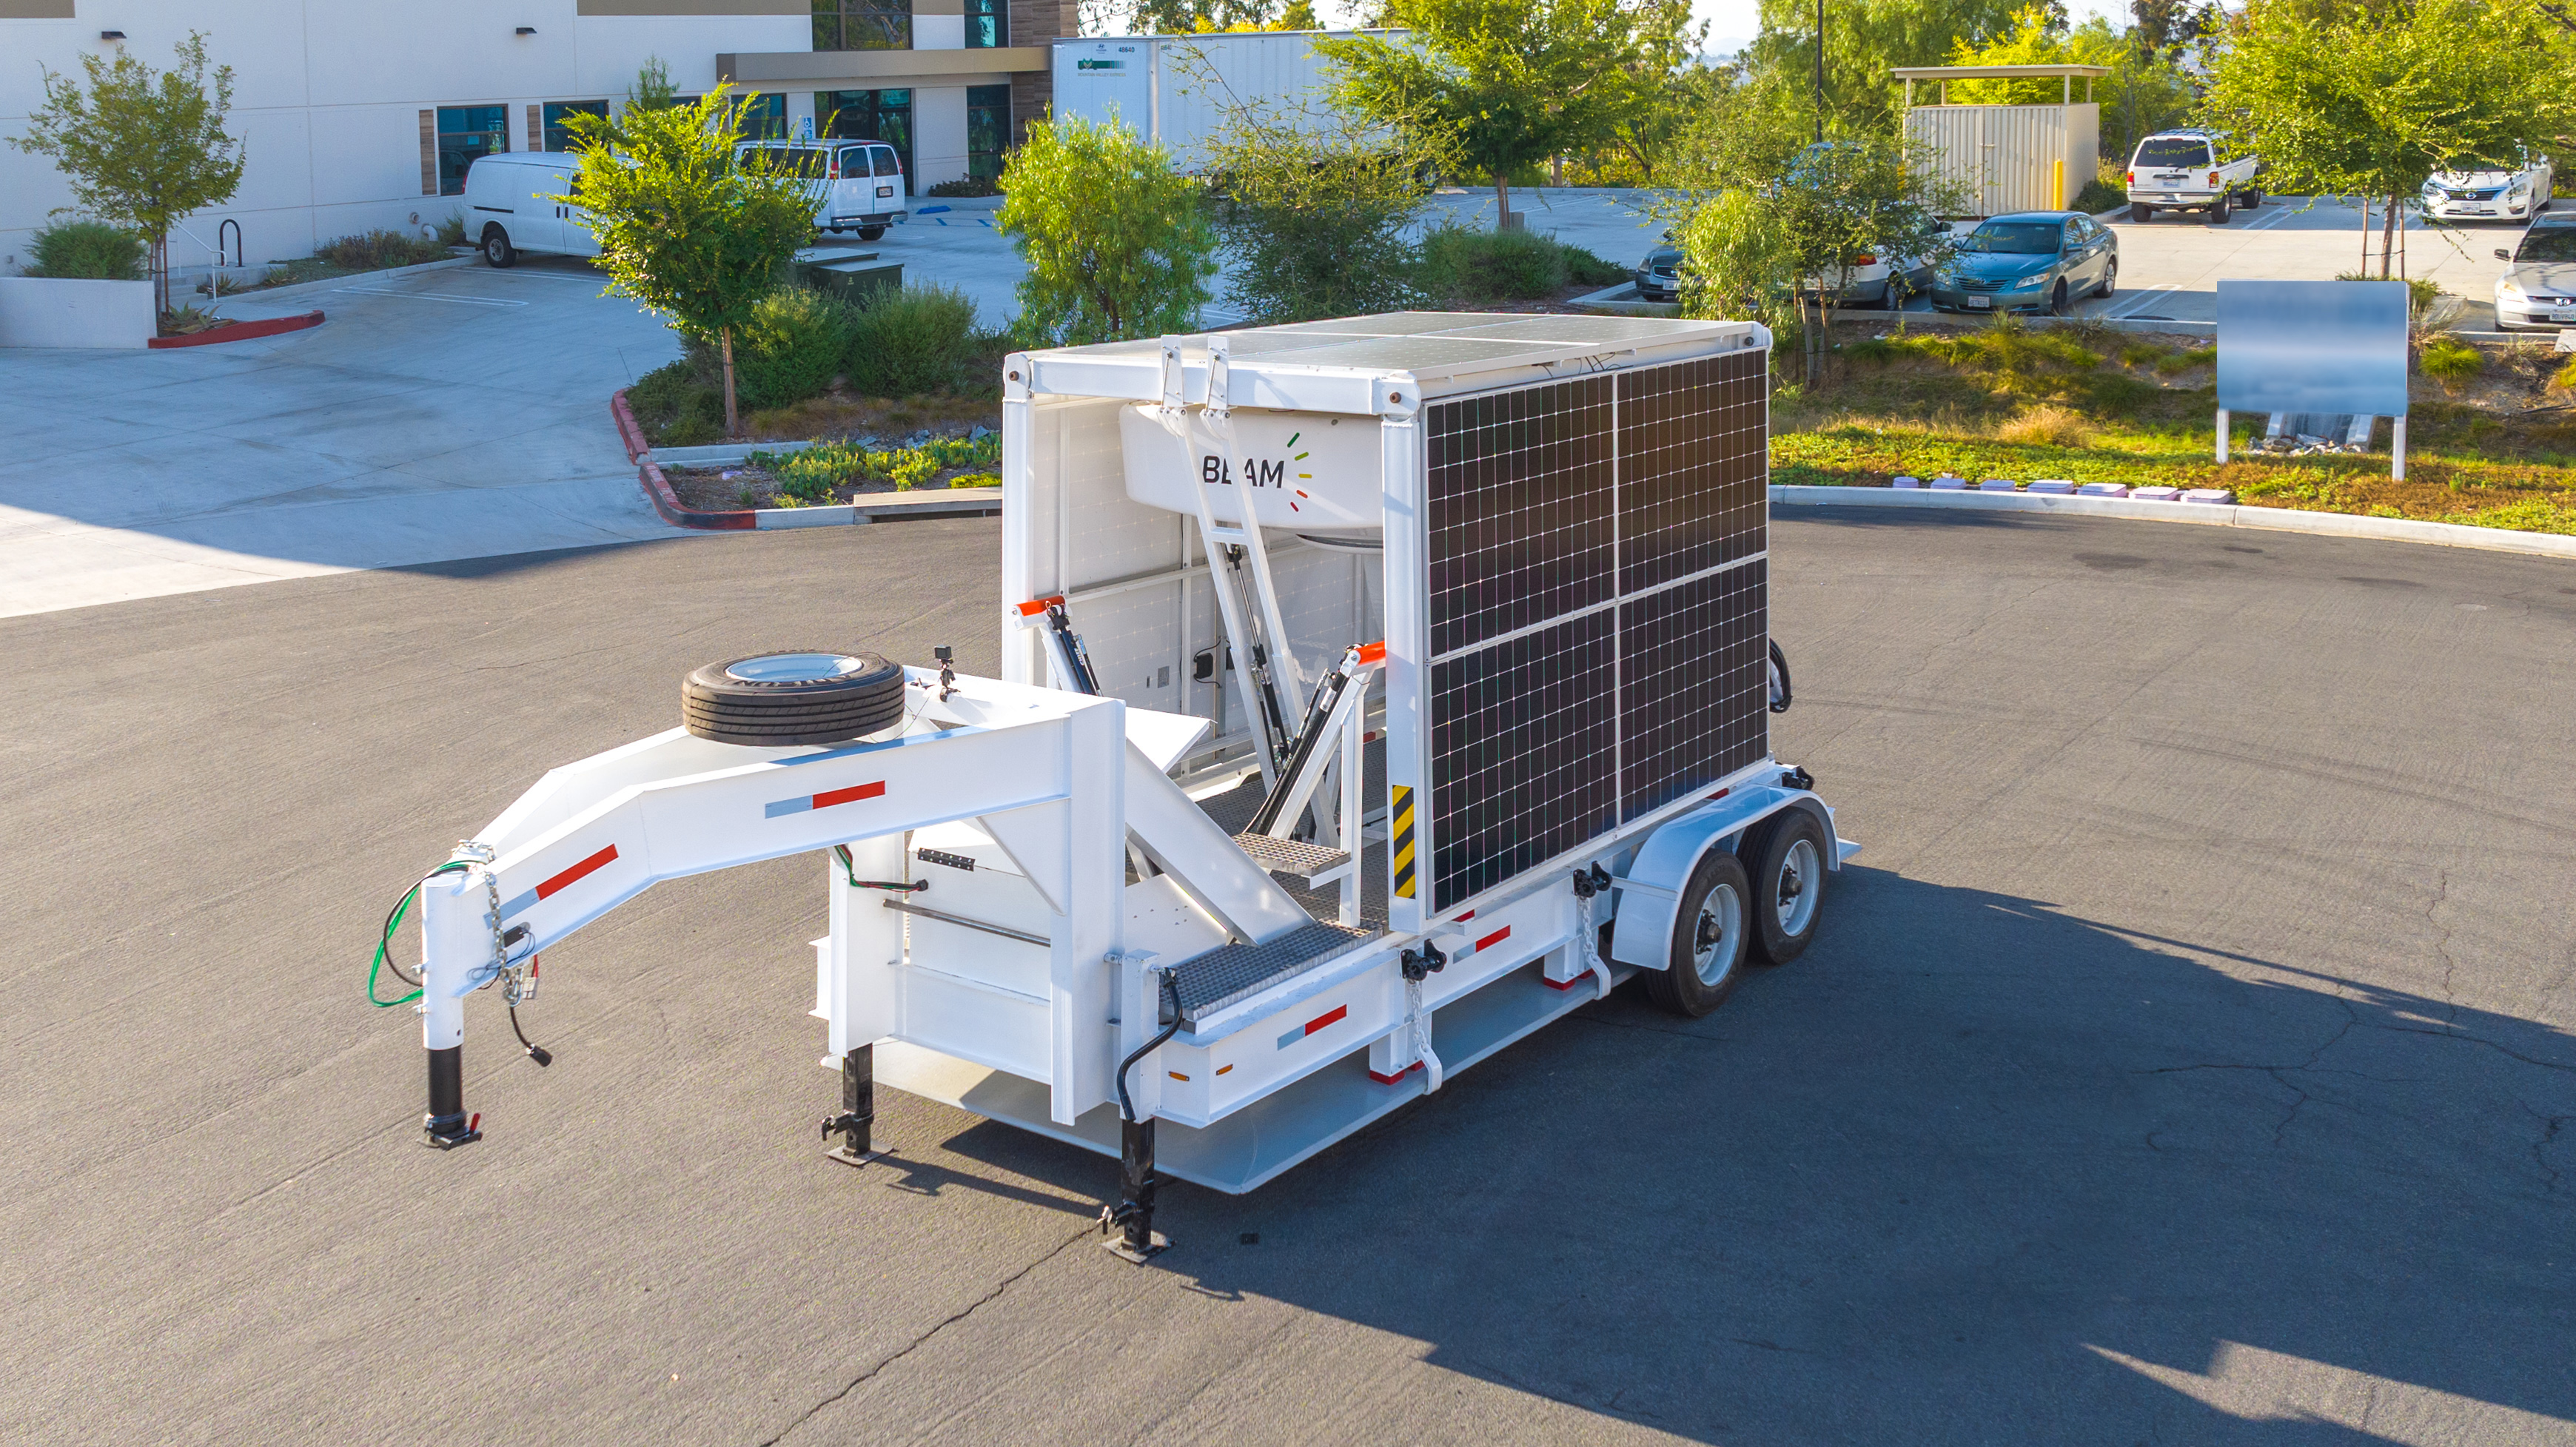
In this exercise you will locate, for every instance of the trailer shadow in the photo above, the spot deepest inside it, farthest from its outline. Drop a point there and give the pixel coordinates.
(1973, 1170)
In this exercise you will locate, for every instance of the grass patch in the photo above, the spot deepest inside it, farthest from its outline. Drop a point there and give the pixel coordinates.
(817, 474)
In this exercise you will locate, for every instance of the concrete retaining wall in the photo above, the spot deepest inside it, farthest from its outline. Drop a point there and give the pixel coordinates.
(38, 311)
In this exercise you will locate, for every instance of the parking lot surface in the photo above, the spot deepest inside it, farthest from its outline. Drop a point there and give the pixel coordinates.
(2187, 1058)
(443, 414)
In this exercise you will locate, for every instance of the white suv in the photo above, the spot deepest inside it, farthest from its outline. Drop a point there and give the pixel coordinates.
(2538, 288)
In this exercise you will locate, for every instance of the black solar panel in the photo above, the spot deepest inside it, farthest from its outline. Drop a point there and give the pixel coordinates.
(1597, 630)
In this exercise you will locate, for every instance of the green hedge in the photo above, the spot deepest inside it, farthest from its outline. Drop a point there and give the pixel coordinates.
(85, 251)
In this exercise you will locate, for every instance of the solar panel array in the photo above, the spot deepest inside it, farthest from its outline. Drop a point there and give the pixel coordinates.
(1597, 607)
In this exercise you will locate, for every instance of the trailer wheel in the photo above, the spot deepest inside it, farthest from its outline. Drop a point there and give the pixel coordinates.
(808, 696)
(1707, 954)
(1785, 856)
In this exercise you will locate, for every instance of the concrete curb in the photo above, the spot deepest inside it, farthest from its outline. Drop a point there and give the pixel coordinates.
(333, 283)
(657, 488)
(240, 332)
(2235, 515)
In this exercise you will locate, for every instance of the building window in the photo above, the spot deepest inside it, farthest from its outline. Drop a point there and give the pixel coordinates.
(466, 133)
(988, 25)
(556, 112)
(764, 118)
(870, 115)
(863, 24)
(988, 124)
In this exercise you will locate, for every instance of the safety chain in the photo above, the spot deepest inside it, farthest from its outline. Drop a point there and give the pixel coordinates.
(1587, 884)
(1417, 966)
(518, 977)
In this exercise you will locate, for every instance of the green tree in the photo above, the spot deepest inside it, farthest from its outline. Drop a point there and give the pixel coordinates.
(1512, 83)
(143, 148)
(1116, 242)
(689, 223)
(2143, 93)
(1314, 211)
(1863, 41)
(2374, 101)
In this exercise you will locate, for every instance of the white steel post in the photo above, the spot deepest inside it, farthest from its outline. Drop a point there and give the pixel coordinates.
(1019, 500)
(2222, 434)
(1408, 653)
(455, 945)
(1094, 922)
(2397, 449)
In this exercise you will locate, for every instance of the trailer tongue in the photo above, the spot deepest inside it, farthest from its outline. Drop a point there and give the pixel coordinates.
(1153, 893)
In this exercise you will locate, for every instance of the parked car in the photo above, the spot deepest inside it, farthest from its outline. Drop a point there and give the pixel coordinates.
(1659, 276)
(858, 185)
(510, 206)
(2191, 169)
(1903, 272)
(2538, 288)
(2039, 260)
(2491, 195)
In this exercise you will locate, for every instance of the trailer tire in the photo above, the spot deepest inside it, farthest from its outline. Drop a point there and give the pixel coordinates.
(800, 696)
(1785, 856)
(1706, 954)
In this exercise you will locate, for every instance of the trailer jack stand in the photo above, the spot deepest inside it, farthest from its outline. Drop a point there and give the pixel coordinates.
(1133, 1217)
(447, 1126)
(858, 1109)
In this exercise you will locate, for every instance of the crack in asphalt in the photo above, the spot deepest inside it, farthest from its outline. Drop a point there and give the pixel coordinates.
(908, 1348)
(2442, 894)
(2278, 1073)
(2550, 1126)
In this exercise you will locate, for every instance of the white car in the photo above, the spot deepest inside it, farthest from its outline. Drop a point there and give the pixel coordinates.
(2538, 288)
(2489, 195)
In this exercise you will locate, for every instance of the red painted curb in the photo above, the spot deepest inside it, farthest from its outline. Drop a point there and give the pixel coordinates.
(658, 488)
(238, 332)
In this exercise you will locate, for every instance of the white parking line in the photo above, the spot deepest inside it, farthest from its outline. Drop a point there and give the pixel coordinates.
(2139, 299)
(428, 295)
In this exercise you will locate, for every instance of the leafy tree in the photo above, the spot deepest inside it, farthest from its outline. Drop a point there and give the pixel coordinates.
(1315, 211)
(1512, 83)
(143, 148)
(2373, 102)
(2144, 92)
(1863, 41)
(688, 223)
(1117, 243)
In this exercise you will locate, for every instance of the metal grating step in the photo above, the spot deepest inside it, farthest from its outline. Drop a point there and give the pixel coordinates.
(1235, 972)
(1291, 856)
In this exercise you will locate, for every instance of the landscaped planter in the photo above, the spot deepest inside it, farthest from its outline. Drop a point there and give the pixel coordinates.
(43, 311)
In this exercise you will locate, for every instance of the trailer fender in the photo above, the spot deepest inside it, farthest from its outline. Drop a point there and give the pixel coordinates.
(1642, 931)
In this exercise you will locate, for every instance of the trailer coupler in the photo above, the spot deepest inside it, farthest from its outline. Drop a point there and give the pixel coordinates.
(1133, 1217)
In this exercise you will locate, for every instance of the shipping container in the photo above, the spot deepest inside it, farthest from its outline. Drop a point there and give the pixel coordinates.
(1178, 89)
(2008, 157)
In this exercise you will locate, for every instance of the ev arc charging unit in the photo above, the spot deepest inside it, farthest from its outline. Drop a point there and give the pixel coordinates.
(1375, 691)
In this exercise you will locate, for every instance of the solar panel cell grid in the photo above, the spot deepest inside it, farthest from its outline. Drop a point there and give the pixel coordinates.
(1522, 736)
(1520, 509)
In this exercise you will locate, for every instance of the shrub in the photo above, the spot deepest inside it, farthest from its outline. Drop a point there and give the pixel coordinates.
(790, 348)
(810, 475)
(1116, 241)
(1473, 265)
(677, 406)
(451, 232)
(2105, 191)
(2047, 425)
(380, 249)
(1583, 268)
(86, 251)
(919, 339)
(1315, 220)
(2565, 381)
(2450, 362)
(967, 186)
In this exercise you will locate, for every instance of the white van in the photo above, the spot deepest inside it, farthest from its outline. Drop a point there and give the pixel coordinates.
(509, 206)
(859, 185)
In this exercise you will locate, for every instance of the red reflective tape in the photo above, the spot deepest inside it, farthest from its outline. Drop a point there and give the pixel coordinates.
(1583, 979)
(1462, 919)
(1372, 653)
(1497, 937)
(1399, 1075)
(577, 873)
(849, 795)
(1722, 793)
(1327, 1018)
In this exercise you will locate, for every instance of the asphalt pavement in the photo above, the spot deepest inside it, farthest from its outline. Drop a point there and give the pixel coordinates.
(2187, 1058)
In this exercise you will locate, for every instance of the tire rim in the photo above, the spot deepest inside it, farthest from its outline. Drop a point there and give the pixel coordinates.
(1793, 894)
(793, 668)
(1716, 940)
(492, 247)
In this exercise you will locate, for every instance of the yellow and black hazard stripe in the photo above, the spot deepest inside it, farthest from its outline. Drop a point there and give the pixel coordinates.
(1400, 850)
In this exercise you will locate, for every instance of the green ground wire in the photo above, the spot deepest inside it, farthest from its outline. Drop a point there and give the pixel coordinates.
(393, 922)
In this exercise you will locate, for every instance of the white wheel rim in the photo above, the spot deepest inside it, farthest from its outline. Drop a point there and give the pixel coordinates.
(1718, 935)
(1794, 893)
(794, 668)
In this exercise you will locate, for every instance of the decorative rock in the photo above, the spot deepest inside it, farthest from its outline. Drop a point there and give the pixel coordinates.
(2155, 494)
(2208, 494)
(1998, 484)
(1907, 482)
(2102, 489)
(2056, 485)
(1946, 483)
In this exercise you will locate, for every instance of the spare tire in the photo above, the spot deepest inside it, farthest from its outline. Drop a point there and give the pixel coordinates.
(803, 696)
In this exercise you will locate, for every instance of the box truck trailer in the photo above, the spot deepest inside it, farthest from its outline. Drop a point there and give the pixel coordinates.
(1374, 692)
(1178, 90)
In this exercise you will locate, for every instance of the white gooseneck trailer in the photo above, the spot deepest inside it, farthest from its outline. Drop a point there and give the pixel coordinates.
(1374, 692)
